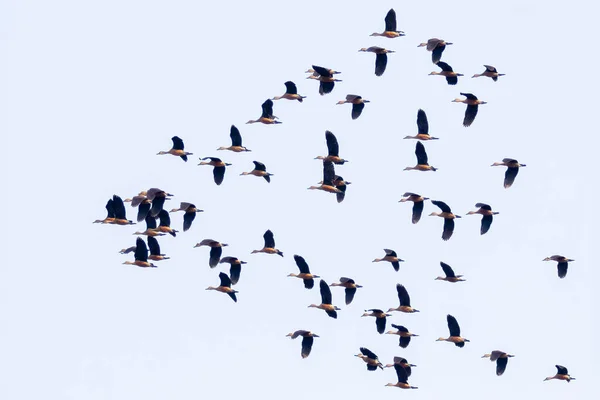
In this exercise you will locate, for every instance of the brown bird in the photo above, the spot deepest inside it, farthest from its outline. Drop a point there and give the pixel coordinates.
(418, 202)
(267, 116)
(141, 255)
(490, 72)
(448, 218)
(164, 224)
(422, 128)
(190, 214)
(142, 203)
(155, 254)
(380, 318)
(501, 359)
(110, 214)
(488, 216)
(563, 264)
(404, 301)
(350, 286)
(511, 171)
(454, 333)
(236, 141)
(327, 184)
(392, 257)
(177, 149)
(269, 245)
(305, 275)
(151, 227)
(158, 198)
(291, 93)
(437, 47)
(358, 103)
(327, 70)
(333, 150)
(472, 103)
(403, 363)
(259, 170)
(325, 78)
(341, 184)
(326, 301)
(235, 267)
(216, 249)
(448, 72)
(561, 374)
(116, 213)
(402, 378)
(219, 168)
(380, 59)
(422, 164)
(390, 26)
(307, 340)
(225, 287)
(370, 358)
(404, 334)
(450, 276)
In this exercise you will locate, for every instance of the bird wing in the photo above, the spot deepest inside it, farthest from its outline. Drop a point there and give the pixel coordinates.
(436, 53)
(380, 323)
(357, 110)
(404, 342)
(309, 283)
(489, 68)
(380, 64)
(154, 246)
(259, 166)
(389, 252)
(452, 80)
(562, 269)
(325, 292)
(350, 292)
(432, 43)
(290, 88)
(267, 109)
(403, 295)
(495, 355)
(225, 281)
(486, 222)
(401, 372)
(390, 21)
(328, 173)
(453, 326)
(141, 251)
(421, 154)
(177, 143)
(368, 353)
(401, 329)
(215, 256)
(501, 365)
(143, 210)
(157, 205)
(417, 210)
(326, 87)
(510, 175)
(269, 239)
(165, 219)
(235, 271)
(484, 206)
(470, 115)
(445, 67)
(422, 124)
(469, 96)
(150, 222)
(219, 174)
(332, 144)
(302, 265)
(561, 370)
(307, 342)
(110, 209)
(188, 218)
(447, 270)
(118, 207)
(448, 228)
(324, 72)
(236, 137)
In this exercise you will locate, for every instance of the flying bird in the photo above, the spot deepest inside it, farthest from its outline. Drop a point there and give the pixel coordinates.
(392, 257)
(402, 378)
(562, 374)
(450, 276)
(448, 216)
(404, 298)
(350, 286)
(333, 150)
(267, 116)
(422, 128)
(216, 249)
(235, 267)
(358, 103)
(488, 216)
(291, 93)
(177, 149)
(380, 318)
(307, 340)
(269, 247)
(305, 275)
(236, 141)
(325, 78)
(454, 333)
(501, 359)
(140, 255)
(218, 170)
(418, 202)
(390, 26)
(511, 171)
(189, 215)
(437, 47)
(472, 103)
(225, 286)
(380, 59)
(404, 334)
(448, 72)
(259, 170)
(326, 301)
(490, 72)
(563, 264)
(370, 358)
(422, 164)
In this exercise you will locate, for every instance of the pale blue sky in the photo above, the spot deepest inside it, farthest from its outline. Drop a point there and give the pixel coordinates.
(91, 91)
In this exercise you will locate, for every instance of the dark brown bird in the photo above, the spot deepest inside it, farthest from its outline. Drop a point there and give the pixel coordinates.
(422, 160)
(422, 128)
(390, 26)
(437, 47)
(563, 264)
(490, 72)
(177, 149)
(269, 247)
(472, 103)
(305, 275)
(307, 340)
(380, 58)
(259, 170)
(216, 249)
(219, 168)
(402, 378)
(326, 301)
(448, 72)
(562, 374)
(450, 276)
(190, 214)
(511, 171)
(418, 202)
(325, 78)
(448, 218)
(155, 254)
(488, 216)
(235, 267)
(380, 318)
(350, 286)
(164, 224)
(501, 359)
(225, 286)
(141, 255)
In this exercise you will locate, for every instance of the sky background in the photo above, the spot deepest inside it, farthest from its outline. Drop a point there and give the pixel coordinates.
(91, 91)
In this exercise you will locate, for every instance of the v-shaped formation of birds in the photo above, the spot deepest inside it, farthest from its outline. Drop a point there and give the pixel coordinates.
(150, 209)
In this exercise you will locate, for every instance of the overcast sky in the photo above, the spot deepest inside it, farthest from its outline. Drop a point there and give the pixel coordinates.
(91, 91)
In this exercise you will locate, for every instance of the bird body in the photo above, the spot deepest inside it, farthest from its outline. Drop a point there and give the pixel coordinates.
(490, 72)
(511, 171)
(267, 116)
(358, 104)
(448, 72)
(404, 298)
(216, 249)
(350, 288)
(391, 30)
(501, 359)
(472, 103)
(418, 203)
(450, 276)
(236, 141)
(141, 255)
(454, 333)
(333, 150)
(326, 300)
(562, 266)
(380, 318)
(177, 149)
(392, 257)
(422, 160)
(562, 374)
(325, 78)
(448, 216)
(437, 47)
(380, 58)
(304, 274)
(259, 170)
(269, 247)
(370, 359)
(307, 340)
(422, 128)
(488, 216)
(291, 93)
(402, 374)
(225, 287)
(404, 334)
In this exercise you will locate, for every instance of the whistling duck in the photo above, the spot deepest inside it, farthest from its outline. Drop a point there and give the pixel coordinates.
(402, 378)
(326, 301)
(370, 358)
(490, 72)
(380, 59)
(511, 171)
(325, 78)
(451, 76)
(380, 318)
(141, 255)
(350, 286)
(404, 301)
(142, 203)
(488, 216)
(304, 274)
(563, 264)
(119, 212)
(340, 183)
(472, 103)
(422, 128)
(392, 257)
(219, 168)
(291, 93)
(269, 245)
(561, 374)
(267, 116)
(315, 73)
(216, 249)
(307, 340)
(110, 214)
(448, 218)
(450, 276)
(155, 254)
(177, 149)
(190, 214)
(328, 176)
(225, 286)
(422, 164)
(454, 333)
(358, 103)
(259, 170)
(418, 202)
(158, 198)
(164, 223)
(236, 141)
(404, 334)
(333, 150)
(501, 359)
(235, 267)
(403, 363)
(151, 227)
(390, 26)
(437, 47)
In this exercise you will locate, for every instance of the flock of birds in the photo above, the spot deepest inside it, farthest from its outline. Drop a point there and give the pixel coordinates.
(150, 205)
